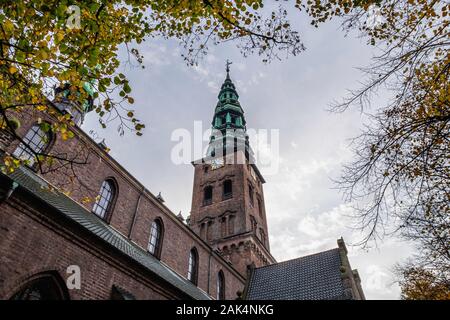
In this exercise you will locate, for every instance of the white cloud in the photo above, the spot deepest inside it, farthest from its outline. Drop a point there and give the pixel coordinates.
(316, 225)
(239, 66)
(296, 177)
(211, 70)
(309, 227)
(213, 85)
(211, 58)
(156, 56)
(201, 71)
(379, 283)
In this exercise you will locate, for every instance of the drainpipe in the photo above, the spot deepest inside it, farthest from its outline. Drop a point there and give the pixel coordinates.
(9, 192)
(135, 213)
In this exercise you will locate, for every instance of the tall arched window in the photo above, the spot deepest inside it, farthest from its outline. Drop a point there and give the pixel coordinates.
(35, 139)
(231, 219)
(253, 223)
(156, 236)
(207, 195)
(193, 266)
(223, 226)
(209, 230)
(220, 286)
(250, 194)
(203, 230)
(104, 204)
(45, 286)
(262, 236)
(260, 208)
(227, 189)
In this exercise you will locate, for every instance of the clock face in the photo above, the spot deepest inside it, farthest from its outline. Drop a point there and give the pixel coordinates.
(216, 163)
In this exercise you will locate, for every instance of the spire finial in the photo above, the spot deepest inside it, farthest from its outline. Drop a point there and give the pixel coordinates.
(228, 66)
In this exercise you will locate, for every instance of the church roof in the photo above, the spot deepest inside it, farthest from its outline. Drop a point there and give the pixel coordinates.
(34, 184)
(313, 277)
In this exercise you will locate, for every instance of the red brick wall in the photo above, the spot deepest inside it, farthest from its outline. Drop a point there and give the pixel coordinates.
(176, 252)
(235, 205)
(243, 247)
(239, 204)
(30, 245)
(178, 239)
(254, 209)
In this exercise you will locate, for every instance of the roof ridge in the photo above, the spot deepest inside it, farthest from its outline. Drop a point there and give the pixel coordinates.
(298, 258)
(315, 276)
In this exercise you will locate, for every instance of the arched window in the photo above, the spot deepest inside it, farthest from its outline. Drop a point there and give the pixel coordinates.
(35, 139)
(193, 266)
(46, 286)
(227, 189)
(156, 237)
(231, 224)
(260, 208)
(104, 204)
(223, 226)
(253, 222)
(262, 236)
(209, 230)
(203, 230)
(220, 286)
(250, 194)
(207, 195)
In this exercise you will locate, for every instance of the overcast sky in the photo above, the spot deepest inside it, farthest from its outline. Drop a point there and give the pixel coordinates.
(305, 213)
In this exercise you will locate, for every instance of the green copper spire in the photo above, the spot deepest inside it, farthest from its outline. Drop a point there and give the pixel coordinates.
(229, 119)
(228, 112)
(77, 110)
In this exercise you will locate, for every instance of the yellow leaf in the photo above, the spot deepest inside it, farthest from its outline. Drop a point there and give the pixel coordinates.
(86, 200)
(12, 69)
(60, 36)
(8, 26)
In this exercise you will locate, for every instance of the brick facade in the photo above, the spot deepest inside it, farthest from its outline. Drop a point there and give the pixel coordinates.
(234, 224)
(28, 245)
(32, 244)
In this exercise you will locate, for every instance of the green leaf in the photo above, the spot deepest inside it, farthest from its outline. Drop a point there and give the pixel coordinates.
(126, 88)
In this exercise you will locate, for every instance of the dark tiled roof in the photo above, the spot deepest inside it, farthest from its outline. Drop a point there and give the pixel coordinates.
(40, 188)
(314, 277)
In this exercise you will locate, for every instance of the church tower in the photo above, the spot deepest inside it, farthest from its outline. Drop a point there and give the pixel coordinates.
(228, 201)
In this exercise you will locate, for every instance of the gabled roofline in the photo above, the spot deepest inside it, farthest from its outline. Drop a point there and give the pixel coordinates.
(299, 258)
